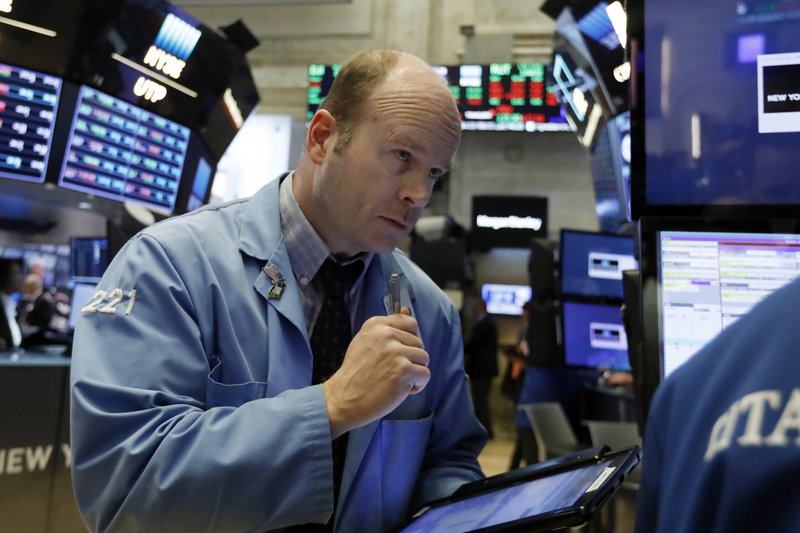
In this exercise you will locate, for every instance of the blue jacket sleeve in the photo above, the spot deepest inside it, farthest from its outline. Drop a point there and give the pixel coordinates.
(150, 450)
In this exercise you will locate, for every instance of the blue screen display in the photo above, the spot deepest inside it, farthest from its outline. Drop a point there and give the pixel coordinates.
(592, 263)
(594, 336)
(721, 104)
(536, 497)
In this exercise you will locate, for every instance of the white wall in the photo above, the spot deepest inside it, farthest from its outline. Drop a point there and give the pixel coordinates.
(260, 152)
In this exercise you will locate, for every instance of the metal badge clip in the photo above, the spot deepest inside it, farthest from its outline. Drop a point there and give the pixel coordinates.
(278, 282)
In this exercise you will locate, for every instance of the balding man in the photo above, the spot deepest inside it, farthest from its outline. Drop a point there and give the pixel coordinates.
(206, 394)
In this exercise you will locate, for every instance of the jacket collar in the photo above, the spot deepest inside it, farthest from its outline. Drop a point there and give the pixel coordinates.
(260, 235)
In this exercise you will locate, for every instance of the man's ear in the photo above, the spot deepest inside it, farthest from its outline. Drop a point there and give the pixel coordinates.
(321, 135)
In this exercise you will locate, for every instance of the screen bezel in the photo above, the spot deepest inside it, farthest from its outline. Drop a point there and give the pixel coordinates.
(649, 230)
(83, 90)
(598, 298)
(639, 206)
(578, 513)
(565, 343)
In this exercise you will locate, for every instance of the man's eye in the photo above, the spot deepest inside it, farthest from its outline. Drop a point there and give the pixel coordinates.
(435, 173)
(402, 155)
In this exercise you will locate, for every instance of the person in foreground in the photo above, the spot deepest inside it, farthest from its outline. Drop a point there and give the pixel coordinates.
(723, 433)
(197, 400)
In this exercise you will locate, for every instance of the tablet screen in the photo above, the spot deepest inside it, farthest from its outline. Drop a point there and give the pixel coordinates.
(524, 500)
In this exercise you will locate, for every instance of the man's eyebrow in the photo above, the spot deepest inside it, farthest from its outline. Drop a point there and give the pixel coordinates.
(404, 139)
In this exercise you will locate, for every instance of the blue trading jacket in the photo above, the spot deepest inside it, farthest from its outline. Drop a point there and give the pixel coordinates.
(191, 405)
(722, 443)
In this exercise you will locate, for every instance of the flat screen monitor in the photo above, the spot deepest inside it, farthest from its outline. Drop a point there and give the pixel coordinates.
(492, 97)
(201, 185)
(505, 299)
(715, 107)
(89, 258)
(28, 106)
(708, 280)
(592, 263)
(81, 294)
(699, 276)
(594, 336)
(119, 151)
(197, 178)
(507, 221)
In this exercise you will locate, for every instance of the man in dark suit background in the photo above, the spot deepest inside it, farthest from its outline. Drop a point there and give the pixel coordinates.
(480, 362)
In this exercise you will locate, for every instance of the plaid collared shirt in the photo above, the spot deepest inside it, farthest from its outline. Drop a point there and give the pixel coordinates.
(307, 251)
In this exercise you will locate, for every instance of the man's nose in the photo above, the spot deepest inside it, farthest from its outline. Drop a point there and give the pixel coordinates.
(416, 190)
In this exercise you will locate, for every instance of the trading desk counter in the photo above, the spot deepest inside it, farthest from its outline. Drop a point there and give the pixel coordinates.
(35, 485)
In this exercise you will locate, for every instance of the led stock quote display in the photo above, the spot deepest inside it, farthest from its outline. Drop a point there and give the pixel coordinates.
(495, 97)
(28, 104)
(123, 152)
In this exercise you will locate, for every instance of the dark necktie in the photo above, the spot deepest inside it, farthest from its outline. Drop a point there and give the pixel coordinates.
(329, 341)
(332, 333)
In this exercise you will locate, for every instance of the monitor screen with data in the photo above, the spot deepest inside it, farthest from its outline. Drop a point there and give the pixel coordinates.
(708, 280)
(119, 151)
(28, 106)
(698, 277)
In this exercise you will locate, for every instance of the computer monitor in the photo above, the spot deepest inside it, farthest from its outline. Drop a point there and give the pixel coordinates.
(119, 151)
(594, 336)
(28, 107)
(505, 299)
(591, 263)
(701, 275)
(89, 258)
(714, 108)
(81, 294)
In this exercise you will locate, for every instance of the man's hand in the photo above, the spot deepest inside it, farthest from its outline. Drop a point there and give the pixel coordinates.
(384, 363)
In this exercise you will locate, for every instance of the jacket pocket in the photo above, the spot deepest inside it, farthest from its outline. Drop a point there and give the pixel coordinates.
(219, 394)
(403, 444)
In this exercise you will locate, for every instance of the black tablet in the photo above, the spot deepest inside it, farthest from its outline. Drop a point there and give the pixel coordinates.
(554, 496)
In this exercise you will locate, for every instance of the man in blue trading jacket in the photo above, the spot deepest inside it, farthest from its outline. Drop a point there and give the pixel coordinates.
(193, 407)
(722, 444)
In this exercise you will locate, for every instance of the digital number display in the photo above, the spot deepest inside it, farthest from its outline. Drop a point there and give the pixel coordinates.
(122, 152)
(496, 97)
(28, 104)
